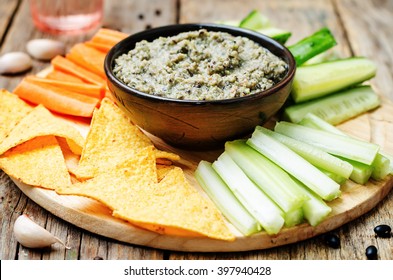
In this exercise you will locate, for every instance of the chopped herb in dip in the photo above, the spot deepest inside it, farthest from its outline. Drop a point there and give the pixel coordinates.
(200, 65)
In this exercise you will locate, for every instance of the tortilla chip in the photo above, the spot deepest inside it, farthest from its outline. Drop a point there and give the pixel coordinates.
(40, 122)
(162, 171)
(111, 139)
(143, 162)
(167, 155)
(114, 187)
(174, 204)
(71, 159)
(37, 162)
(12, 110)
(171, 206)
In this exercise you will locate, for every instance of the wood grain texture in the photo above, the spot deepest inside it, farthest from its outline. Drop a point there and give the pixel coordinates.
(7, 10)
(135, 15)
(368, 25)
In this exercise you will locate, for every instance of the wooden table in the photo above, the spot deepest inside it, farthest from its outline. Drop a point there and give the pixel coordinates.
(361, 27)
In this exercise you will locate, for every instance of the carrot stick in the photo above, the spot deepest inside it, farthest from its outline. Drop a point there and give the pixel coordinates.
(112, 33)
(82, 88)
(104, 39)
(88, 57)
(99, 46)
(61, 76)
(57, 99)
(63, 64)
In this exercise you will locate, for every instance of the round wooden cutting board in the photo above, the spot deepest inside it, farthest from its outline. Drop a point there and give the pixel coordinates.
(376, 126)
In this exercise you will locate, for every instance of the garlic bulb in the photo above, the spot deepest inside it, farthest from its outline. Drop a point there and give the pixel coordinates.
(45, 49)
(15, 62)
(31, 235)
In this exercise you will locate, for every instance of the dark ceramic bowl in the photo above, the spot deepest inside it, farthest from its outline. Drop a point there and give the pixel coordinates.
(199, 124)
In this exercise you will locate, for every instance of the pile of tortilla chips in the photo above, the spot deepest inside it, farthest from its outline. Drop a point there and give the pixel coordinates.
(116, 164)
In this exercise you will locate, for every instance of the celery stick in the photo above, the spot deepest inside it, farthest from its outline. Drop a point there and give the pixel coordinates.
(258, 204)
(332, 143)
(380, 166)
(312, 45)
(336, 178)
(294, 217)
(361, 172)
(315, 210)
(390, 157)
(294, 164)
(273, 181)
(315, 156)
(314, 121)
(224, 199)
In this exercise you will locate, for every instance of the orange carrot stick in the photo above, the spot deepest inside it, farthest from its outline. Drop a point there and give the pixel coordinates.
(61, 76)
(88, 57)
(63, 64)
(82, 88)
(112, 33)
(57, 99)
(99, 46)
(106, 39)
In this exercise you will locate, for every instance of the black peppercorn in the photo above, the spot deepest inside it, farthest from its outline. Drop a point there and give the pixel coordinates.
(372, 252)
(383, 231)
(332, 240)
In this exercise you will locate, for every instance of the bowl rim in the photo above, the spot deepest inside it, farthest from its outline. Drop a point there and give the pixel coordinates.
(110, 57)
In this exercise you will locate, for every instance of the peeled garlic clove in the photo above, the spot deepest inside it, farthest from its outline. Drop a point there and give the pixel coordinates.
(45, 49)
(14, 62)
(31, 235)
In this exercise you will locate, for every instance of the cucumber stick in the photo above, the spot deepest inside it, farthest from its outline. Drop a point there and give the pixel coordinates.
(313, 155)
(272, 180)
(258, 204)
(312, 45)
(255, 20)
(318, 80)
(277, 34)
(335, 108)
(294, 164)
(224, 199)
(332, 143)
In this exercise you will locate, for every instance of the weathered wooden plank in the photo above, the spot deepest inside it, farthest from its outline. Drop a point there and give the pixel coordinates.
(7, 10)
(369, 28)
(133, 16)
(302, 18)
(12, 203)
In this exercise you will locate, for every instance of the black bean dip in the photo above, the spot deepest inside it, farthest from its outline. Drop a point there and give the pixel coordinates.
(200, 65)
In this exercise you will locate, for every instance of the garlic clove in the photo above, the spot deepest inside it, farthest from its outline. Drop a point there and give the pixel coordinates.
(31, 235)
(15, 62)
(45, 49)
